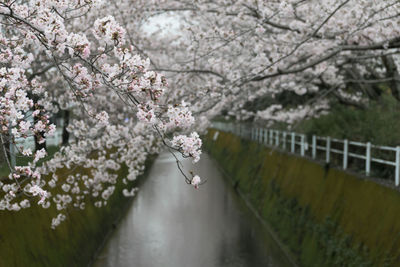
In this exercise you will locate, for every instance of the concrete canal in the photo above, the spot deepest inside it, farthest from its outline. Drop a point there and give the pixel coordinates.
(173, 224)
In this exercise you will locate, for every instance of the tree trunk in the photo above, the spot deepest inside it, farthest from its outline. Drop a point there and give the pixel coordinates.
(364, 87)
(38, 146)
(4, 150)
(65, 133)
(392, 72)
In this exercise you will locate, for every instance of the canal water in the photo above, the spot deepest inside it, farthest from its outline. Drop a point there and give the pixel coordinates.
(171, 224)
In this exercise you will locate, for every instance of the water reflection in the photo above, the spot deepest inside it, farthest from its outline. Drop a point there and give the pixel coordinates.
(173, 224)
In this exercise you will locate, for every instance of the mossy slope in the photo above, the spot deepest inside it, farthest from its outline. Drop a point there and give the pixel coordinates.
(325, 216)
(26, 238)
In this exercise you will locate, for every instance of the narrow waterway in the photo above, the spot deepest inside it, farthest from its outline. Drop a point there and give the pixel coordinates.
(171, 224)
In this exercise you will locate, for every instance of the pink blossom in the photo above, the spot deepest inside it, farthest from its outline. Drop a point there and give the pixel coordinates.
(196, 181)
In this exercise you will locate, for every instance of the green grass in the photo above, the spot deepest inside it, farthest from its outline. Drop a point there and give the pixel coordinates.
(26, 238)
(326, 216)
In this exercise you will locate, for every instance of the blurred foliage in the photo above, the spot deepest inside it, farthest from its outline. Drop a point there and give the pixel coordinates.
(379, 123)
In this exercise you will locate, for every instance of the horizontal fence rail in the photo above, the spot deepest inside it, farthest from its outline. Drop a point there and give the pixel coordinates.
(322, 148)
(29, 142)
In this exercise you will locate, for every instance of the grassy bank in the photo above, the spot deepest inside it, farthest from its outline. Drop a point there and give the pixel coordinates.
(325, 216)
(26, 238)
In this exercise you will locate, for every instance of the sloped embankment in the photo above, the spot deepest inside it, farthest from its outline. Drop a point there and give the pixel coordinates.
(26, 238)
(326, 217)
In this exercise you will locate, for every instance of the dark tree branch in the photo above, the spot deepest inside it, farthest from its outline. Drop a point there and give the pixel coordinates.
(393, 43)
(194, 71)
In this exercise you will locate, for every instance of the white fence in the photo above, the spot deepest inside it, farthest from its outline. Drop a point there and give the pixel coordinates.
(29, 142)
(298, 144)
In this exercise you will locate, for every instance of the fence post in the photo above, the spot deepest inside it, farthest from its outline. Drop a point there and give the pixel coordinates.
(57, 137)
(271, 137)
(277, 138)
(257, 133)
(292, 143)
(314, 146)
(397, 174)
(368, 159)
(261, 135)
(12, 150)
(328, 149)
(12, 154)
(266, 136)
(284, 140)
(302, 145)
(345, 153)
(251, 132)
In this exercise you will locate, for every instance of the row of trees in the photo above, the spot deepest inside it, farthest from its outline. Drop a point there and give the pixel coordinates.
(267, 60)
(278, 60)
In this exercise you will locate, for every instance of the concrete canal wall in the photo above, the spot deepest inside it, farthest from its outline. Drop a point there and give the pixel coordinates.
(26, 238)
(324, 216)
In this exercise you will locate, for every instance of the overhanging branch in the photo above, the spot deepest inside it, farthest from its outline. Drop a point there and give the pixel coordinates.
(193, 71)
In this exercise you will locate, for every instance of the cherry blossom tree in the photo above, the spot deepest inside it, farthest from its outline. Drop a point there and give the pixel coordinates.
(247, 59)
(60, 54)
(240, 57)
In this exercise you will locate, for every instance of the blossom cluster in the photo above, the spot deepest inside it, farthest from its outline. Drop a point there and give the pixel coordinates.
(179, 116)
(188, 145)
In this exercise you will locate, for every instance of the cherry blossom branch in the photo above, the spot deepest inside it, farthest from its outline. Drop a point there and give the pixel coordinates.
(194, 71)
